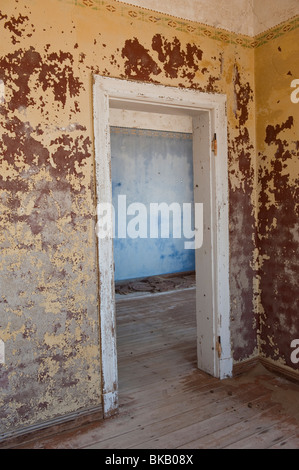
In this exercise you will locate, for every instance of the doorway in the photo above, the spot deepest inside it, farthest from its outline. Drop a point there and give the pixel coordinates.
(210, 192)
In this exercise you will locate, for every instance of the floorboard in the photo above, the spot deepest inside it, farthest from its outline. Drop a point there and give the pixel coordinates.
(167, 403)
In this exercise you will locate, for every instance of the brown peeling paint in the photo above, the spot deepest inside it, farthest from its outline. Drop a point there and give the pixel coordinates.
(279, 244)
(175, 60)
(139, 64)
(64, 156)
(242, 221)
(15, 24)
(69, 155)
(20, 140)
(165, 55)
(273, 131)
(48, 275)
(2, 16)
(51, 71)
(243, 95)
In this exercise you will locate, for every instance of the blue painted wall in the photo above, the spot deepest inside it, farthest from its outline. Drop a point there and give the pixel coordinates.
(150, 167)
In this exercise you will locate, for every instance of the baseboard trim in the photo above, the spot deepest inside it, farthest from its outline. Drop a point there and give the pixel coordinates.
(280, 369)
(48, 428)
(240, 368)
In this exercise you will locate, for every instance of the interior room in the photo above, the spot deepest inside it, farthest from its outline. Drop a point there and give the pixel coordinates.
(149, 224)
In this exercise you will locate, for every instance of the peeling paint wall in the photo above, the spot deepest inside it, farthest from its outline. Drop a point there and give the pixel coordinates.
(48, 299)
(277, 65)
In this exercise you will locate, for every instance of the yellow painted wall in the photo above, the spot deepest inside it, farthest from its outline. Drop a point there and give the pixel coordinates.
(48, 299)
(277, 66)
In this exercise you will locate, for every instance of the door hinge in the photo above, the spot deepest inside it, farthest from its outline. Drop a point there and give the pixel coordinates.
(214, 145)
(218, 346)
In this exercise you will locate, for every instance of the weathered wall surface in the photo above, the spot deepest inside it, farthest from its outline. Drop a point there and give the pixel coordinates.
(277, 65)
(48, 299)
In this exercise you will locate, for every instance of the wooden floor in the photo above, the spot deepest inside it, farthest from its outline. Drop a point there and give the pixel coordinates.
(166, 403)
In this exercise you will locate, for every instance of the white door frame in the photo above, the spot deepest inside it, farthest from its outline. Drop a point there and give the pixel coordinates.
(210, 188)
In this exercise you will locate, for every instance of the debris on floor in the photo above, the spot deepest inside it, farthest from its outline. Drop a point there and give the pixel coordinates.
(154, 284)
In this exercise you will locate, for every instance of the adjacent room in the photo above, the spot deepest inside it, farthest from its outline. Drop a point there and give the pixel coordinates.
(149, 224)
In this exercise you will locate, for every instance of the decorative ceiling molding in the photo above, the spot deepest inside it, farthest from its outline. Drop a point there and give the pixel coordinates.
(246, 17)
(196, 28)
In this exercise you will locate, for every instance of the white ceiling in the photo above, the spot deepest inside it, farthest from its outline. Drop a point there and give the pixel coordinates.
(248, 17)
(268, 13)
